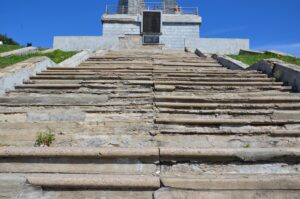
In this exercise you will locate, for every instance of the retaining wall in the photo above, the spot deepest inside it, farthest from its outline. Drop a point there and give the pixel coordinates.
(78, 43)
(16, 74)
(217, 46)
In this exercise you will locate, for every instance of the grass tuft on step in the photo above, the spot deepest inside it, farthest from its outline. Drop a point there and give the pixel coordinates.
(56, 56)
(249, 58)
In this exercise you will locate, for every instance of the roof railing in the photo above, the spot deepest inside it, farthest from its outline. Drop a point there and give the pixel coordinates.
(116, 9)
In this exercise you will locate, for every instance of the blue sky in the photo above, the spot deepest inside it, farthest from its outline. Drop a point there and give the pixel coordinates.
(270, 24)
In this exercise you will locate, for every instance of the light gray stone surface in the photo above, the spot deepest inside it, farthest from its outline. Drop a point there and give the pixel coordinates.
(76, 59)
(120, 29)
(77, 43)
(174, 34)
(230, 63)
(288, 73)
(22, 51)
(16, 74)
(217, 46)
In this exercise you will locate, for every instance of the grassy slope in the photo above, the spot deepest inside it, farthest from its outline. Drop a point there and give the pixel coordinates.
(7, 48)
(253, 58)
(56, 56)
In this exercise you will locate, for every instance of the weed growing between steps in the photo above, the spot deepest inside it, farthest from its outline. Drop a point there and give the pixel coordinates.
(56, 56)
(45, 138)
(7, 48)
(250, 59)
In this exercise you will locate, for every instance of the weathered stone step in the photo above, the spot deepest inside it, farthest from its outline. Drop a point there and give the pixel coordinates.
(184, 64)
(79, 160)
(287, 106)
(215, 112)
(154, 154)
(92, 73)
(49, 86)
(93, 69)
(94, 77)
(105, 84)
(211, 83)
(234, 182)
(214, 79)
(217, 122)
(100, 182)
(273, 133)
(99, 153)
(237, 154)
(173, 193)
(205, 72)
(228, 99)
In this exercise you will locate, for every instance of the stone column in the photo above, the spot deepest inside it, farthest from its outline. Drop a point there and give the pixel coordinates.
(170, 6)
(130, 6)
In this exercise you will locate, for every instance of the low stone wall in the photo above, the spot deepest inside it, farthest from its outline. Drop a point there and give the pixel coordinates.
(282, 71)
(22, 51)
(76, 59)
(218, 46)
(78, 43)
(287, 73)
(230, 63)
(16, 74)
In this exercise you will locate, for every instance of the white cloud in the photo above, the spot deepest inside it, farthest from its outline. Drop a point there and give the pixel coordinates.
(292, 48)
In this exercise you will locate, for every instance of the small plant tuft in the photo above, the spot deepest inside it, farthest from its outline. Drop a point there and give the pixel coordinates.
(247, 146)
(45, 138)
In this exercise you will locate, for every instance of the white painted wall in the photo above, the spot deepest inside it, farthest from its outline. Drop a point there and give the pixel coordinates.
(217, 46)
(77, 43)
(120, 29)
(174, 34)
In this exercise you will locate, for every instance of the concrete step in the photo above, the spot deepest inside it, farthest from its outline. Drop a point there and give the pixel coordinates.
(242, 105)
(234, 182)
(228, 99)
(218, 122)
(98, 182)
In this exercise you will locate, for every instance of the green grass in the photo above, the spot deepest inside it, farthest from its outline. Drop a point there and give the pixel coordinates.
(7, 48)
(250, 59)
(56, 56)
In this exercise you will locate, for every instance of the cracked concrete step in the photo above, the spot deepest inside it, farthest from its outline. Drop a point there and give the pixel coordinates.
(153, 154)
(234, 182)
(220, 88)
(89, 84)
(174, 105)
(217, 122)
(204, 79)
(228, 99)
(171, 193)
(230, 154)
(76, 81)
(100, 182)
(211, 83)
(274, 133)
(79, 160)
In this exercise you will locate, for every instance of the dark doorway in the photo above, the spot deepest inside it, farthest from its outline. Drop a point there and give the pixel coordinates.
(151, 22)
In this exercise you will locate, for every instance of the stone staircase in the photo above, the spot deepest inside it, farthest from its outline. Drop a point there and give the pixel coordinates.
(150, 124)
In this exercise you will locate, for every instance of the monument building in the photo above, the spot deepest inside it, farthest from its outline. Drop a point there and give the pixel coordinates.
(131, 24)
(165, 23)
